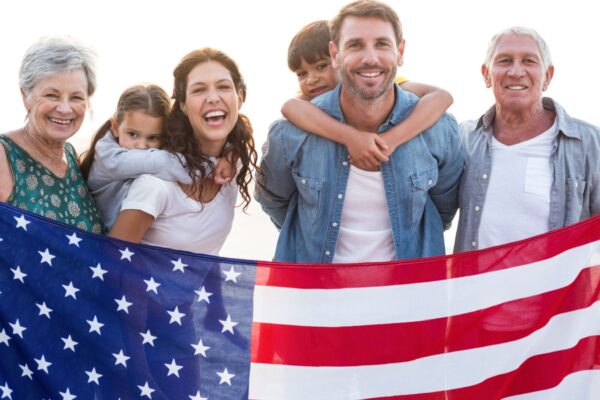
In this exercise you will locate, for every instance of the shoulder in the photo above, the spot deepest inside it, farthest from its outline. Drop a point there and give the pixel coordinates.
(6, 177)
(149, 194)
(152, 183)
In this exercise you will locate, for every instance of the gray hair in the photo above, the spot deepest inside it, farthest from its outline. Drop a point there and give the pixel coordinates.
(520, 30)
(52, 55)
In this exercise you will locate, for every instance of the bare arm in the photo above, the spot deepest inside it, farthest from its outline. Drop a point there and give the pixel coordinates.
(365, 148)
(7, 182)
(131, 225)
(432, 105)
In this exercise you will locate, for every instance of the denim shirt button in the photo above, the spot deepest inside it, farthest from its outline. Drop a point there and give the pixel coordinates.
(477, 208)
(474, 244)
(340, 196)
(303, 181)
(430, 182)
(327, 253)
(334, 224)
(345, 163)
(484, 177)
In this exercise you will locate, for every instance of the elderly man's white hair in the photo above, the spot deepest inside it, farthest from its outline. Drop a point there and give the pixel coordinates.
(520, 30)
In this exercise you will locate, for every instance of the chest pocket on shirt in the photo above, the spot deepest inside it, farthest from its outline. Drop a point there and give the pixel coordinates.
(309, 196)
(538, 177)
(575, 203)
(421, 183)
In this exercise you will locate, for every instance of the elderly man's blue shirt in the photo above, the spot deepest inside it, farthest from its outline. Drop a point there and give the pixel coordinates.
(304, 180)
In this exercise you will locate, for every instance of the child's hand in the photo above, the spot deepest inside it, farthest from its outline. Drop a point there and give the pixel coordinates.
(366, 150)
(224, 171)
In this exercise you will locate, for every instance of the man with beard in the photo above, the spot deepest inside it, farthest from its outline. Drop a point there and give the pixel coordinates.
(327, 210)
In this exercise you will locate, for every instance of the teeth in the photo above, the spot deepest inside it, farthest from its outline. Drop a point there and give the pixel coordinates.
(60, 121)
(370, 74)
(213, 114)
(516, 87)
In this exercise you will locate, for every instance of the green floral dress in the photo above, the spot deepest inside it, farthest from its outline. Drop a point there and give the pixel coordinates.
(40, 191)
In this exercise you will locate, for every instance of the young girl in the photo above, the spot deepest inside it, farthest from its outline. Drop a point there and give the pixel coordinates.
(126, 146)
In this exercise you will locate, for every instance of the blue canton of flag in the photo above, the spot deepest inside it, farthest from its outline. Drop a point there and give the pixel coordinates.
(84, 316)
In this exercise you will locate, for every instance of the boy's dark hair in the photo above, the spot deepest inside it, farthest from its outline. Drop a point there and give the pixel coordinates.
(310, 44)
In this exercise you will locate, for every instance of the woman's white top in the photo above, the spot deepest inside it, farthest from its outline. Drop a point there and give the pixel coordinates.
(181, 222)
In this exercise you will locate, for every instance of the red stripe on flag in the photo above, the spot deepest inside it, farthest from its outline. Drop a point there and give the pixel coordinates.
(392, 343)
(317, 276)
(538, 373)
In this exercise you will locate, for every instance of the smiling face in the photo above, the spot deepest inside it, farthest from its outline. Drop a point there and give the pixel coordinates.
(138, 130)
(211, 105)
(367, 56)
(516, 73)
(56, 105)
(316, 78)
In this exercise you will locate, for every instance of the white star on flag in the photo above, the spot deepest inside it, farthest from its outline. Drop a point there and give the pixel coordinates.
(46, 257)
(151, 285)
(225, 377)
(231, 275)
(173, 368)
(148, 338)
(18, 274)
(73, 239)
(95, 325)
(126, 254)
(6, 391)
(70, 290)
(200, 348)
(22, 222)
(42, 364)
(93, 376)
(44, 309)
(228, 324)
(4, 338)
(17, 328)
(69, 343)
(67, 395)
(123, 304)
(178, 265)
(203, 295)
(26, 371)
(98, 272)
(146, 390)
(197, 396)
(121, 358)
(175, 316)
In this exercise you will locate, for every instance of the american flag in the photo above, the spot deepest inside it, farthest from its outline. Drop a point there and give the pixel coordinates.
(87, 317)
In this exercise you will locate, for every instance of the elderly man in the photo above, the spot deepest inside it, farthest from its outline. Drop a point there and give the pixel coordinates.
(531, 167)
(327, 209)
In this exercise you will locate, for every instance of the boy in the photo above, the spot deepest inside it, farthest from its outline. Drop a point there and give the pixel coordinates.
(309, 59)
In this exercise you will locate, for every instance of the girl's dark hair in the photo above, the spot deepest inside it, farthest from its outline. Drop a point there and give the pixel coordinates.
(148, 98)
(180, 137)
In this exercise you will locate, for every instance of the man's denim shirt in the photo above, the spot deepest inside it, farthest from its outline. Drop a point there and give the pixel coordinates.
(304, 181)
(575, 163)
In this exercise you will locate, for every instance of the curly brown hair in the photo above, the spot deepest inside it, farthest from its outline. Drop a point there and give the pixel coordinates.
(180, 136)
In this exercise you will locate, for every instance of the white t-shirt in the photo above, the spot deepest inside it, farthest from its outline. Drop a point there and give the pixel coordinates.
(517, 203)
(365, 230)
(180, 222)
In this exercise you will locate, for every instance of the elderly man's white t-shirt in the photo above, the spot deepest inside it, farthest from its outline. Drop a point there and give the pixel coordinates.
(180, 222)
(517, 203)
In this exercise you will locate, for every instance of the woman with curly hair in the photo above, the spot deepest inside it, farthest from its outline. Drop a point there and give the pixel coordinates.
(204, 124)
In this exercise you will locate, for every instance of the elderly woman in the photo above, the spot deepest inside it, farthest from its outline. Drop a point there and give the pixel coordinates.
(38, 168)
(204, 123)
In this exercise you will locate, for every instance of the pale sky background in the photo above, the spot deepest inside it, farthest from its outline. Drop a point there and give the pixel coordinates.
(142, 41)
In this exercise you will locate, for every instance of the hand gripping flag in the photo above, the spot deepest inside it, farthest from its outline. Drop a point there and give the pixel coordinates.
(87, 317)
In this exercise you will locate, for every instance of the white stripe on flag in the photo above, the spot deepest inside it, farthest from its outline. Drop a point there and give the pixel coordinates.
(428, 374)
(419, 301)
(582, 385)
